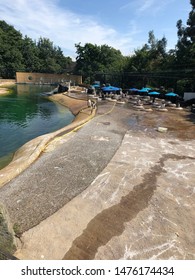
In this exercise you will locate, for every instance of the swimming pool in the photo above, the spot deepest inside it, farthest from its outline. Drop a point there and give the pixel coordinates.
(25, 114)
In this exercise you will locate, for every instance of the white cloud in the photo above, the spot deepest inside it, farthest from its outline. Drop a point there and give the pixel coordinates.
(147, 7)
(44, 18)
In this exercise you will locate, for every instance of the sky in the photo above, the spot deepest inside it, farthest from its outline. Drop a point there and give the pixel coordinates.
(121, 24)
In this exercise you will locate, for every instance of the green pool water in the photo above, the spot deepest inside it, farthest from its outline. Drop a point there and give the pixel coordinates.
(25, 114)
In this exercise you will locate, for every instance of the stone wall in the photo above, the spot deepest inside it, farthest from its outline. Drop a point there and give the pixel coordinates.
(5, 81)
(44, 78)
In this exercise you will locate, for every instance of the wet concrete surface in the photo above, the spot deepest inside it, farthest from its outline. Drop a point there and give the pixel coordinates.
(115, 189)
(111, 221)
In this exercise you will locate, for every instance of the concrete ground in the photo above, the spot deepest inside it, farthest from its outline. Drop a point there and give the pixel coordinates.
(114, 189)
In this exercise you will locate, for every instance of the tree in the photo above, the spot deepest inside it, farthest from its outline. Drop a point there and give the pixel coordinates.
(10, 50)
(30, 55)
(186, 37)
(64, 62)
(24, 54)
(151, 57)
(51, 58)
(185, 48)
(92, 59)
(87, 60)
(190, 29)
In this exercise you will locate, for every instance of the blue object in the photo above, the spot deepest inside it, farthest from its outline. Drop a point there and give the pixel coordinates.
(96, 86)
(110, 88)
(171, 94)
(133, 89)
(146, 88)
(143, 90)
(153, 93)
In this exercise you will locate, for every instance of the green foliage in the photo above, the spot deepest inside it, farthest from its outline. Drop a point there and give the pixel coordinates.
(10, 50)
(92, 59)
(186, 37)
(149, 64)
(151, 57)
(185, 48)
(184, 85)
(190, 30)
(23, 54)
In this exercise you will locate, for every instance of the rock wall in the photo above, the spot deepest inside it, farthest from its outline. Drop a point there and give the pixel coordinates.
(45, 78)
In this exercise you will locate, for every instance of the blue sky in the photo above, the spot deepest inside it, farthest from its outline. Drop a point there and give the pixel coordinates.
(122, 24)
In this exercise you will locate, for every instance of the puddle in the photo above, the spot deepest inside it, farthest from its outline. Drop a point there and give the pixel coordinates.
(179, 124)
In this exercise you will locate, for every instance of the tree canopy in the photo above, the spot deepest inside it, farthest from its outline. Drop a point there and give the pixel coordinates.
(92, 59)
(185, 48)
(24, 54)
(151, 63)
